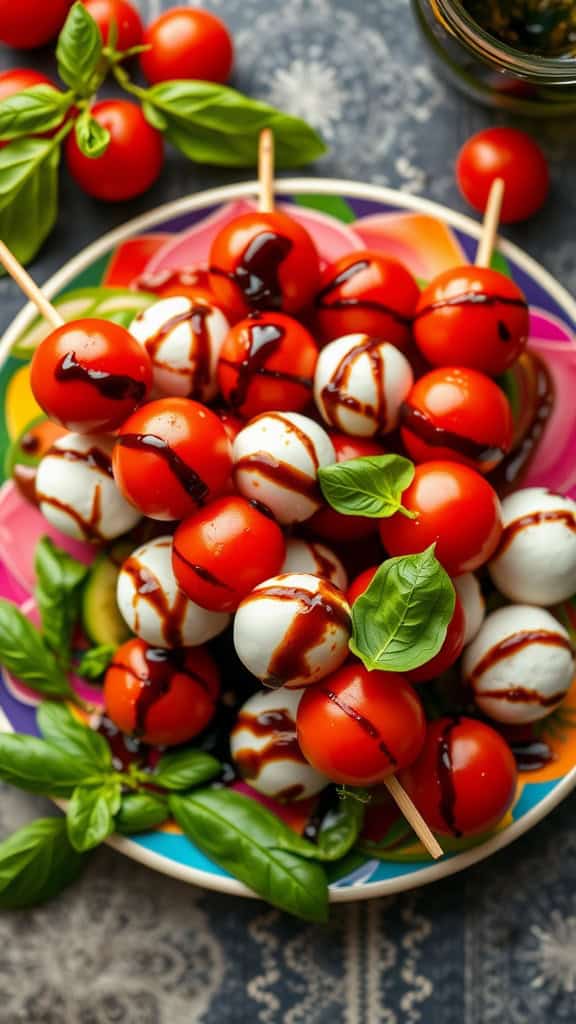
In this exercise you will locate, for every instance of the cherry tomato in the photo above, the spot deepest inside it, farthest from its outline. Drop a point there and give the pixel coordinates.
(120, 13)
(224, 550)
(360, 584)
(31, 23)
(264, 261)
(472, 316)
(368, 293)
(332, 525)
(171, 457)
(456, 509)
(187, 43)
(459, 414)
(232, 424)
(18, 79)
(161, 696)
(267, 362)
(464, 780)
(89, 375)
(359, 727)
(509, 154)
(133, 160)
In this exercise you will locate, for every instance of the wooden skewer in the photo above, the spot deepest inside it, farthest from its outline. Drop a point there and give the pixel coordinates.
(413, 817)
(266, 171)
(491, 223)
(29, 287)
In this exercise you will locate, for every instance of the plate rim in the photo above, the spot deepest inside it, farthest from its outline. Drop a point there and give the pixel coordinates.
(356, 190)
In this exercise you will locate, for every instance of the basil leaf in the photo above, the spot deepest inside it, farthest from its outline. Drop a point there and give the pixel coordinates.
(41, 767)
(79, 52)
(28, 194)
(36, 863)
(37, 109)
(400, 621)
(90, 814)
(94, 662)
(92, 138)
(340, 828)
(141, 812)
(185, 769)
(23, 652)
(58, 581)
(60, 728)
(245, 838)
(213, 124)
(371, 486)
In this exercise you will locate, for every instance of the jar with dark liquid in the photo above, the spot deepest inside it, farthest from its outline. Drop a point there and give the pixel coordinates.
(518, 55)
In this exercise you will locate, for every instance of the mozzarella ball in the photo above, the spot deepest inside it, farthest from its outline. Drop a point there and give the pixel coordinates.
(76, 491)
(535, 561)
(312, 557)
(263, 745)
(276, 460)
(360, 384)
(473, 603)
(154, 607)
(293, 630)
(183, 337)
(520, 665)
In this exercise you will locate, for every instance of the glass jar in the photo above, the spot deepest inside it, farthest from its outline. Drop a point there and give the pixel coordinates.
(492, 72)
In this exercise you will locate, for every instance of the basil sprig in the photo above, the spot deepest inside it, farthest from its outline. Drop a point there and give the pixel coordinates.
(92, 138)
(62, 729)
(94, 662)
(37, 109)
(29, 192)
(59, 578)
(79, 52)
(24, 653)
(371, 486)
(140, 812)
(90, 814)
(184, 769)
(36, 863)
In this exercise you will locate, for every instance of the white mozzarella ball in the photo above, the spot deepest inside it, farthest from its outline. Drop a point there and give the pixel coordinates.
(183, 337)
(76, 491)
(312, 557)
(360, 383)
(276, 460)
(473, 603)
(154, 607)
(535, 561)
(292, 630)
(263, 745)
(520, 665)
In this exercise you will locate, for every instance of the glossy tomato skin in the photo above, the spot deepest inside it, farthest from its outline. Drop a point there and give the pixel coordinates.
(509, 154)
(162, 697)
(123, 14)
(449, 652)
(223, 551)
(133, 160)
(472, 316)
(456, 509)
(359, 727)
(329, 524)
(171, 457)
(31, 23)
(360, 584)
(89, 375)
(465, 778)
(459, 414)
(187, 43)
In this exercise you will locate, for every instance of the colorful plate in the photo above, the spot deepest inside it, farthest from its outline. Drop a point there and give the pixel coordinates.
(341, 215)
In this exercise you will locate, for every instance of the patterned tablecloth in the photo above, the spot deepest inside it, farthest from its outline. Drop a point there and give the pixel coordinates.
(496, 944)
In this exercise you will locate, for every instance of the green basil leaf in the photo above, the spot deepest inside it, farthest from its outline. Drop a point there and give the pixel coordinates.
(213, 124)
(245, 838)
(371, 486)
(400, 621)
(94, 662)
(41, 767)
(141, 812)
(28, 194)
(38, 109)
(58, 581)
(90, 814)
(185, 769)
(92, 138)
(25, 655)
(340, 828)
(62, 729)
(79, 52)
(36, 863)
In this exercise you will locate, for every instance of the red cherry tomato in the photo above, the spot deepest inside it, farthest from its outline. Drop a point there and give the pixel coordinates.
(133, 160)
(509, 154)
(224, 550)
(162, 697)
(264, 261)
(120, 13)
(232, 424)
(187, 43)
(267, 362)
(18, 79)
(360, 584)
(89, 375)
(368, 293)
(456, 509)
(459, 414)
(332, 525)
(359, 727)
(171, 457)
(31, 23)
(472, 316)
(464, 780)
(449, 652)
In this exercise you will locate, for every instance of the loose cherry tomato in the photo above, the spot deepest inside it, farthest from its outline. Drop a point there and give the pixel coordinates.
(472, 316)
(89, 375)
(509, 154)
(171, 457)
(267, 362)
(18, 79)
(465, 778)
(368, 293)
(332, 525)
(264, 261)
(224, 550)
(120, 13)
(133, 160)
(161, 696)
(459, 414)
(187, 43)
(456, 509)
(31, 23)
(359, 727)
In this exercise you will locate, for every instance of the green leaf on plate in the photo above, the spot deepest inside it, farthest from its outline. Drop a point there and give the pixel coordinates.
(185, 769)
(94, 662)
(36, 863)
(28, 194)
(141, 812)
(90, 814)
(38, 109)
(59, 578)
(371, 486)
(39, 766)
(79, 52)
(340, 828)
(61, 728)
(92, 138)
(26, 656)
